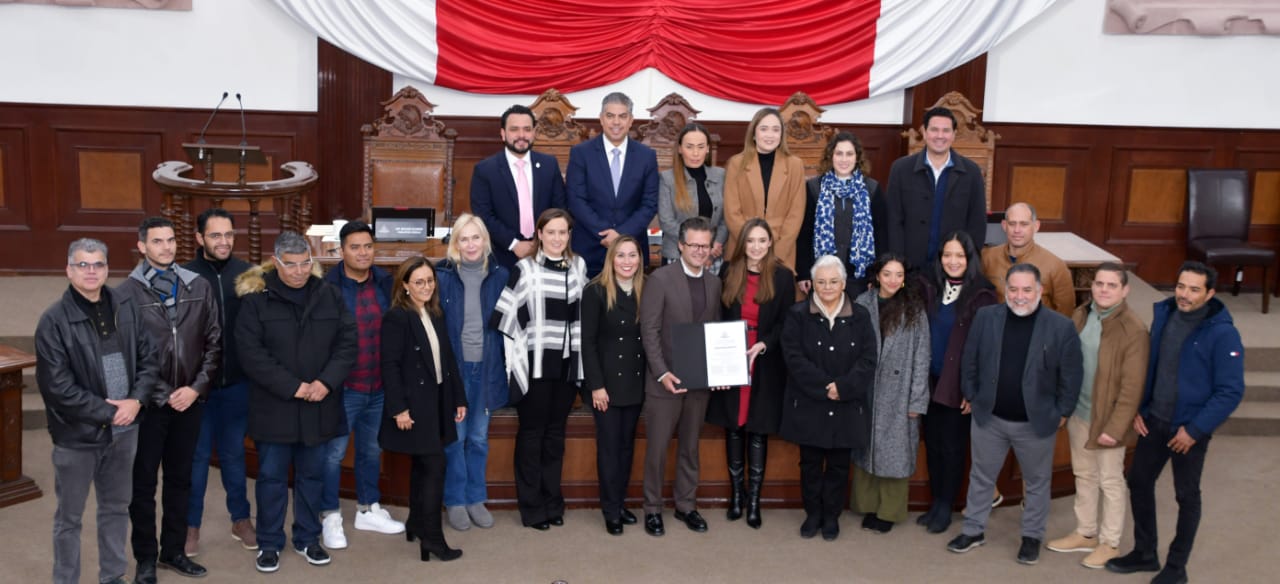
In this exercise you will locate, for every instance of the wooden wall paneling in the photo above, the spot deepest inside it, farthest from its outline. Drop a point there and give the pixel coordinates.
(350, 94)
(1044, 187)
(1266, 197)
(13, 175)
(110, 181)
(105, 176)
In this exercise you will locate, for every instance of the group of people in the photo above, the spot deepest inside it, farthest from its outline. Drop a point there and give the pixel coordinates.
(872, 316)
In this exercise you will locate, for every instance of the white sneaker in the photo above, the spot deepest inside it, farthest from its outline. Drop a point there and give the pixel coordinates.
(377, 519)
(332, 536)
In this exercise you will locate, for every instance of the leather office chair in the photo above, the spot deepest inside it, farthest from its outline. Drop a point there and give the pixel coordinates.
(1219, 204)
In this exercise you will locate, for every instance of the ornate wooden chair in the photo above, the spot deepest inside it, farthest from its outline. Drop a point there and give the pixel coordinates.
(666, 120)
(972, 140)
(556, 131)
(408, 158)
(806, 137)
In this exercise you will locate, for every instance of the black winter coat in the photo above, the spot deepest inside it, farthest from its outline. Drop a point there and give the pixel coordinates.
(224, 291)
(409, 383)
(816, 356)
(69, 369)
(283, 344)
(769, 377)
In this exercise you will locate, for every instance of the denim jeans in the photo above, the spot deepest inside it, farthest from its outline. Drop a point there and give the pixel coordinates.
(1149, 459)
(226, 418)
(467, 457)
(364, 417)
(272, 493)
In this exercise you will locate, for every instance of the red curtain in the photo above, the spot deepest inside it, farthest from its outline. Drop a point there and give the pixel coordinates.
(822, 47)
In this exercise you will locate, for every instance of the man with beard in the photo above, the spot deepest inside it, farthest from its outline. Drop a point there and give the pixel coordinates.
(510, 189)
(1020, 377)
(226, 411)
(179, 315)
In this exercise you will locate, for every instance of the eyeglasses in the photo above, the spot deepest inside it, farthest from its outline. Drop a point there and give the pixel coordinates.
(421, 283)
(294, 265)
(697, 246)
(89, 266)
(228, 236)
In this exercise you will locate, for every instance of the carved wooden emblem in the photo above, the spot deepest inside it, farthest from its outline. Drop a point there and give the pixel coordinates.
(554, 115)
(406, 115)
(800, 116)
(666, 120)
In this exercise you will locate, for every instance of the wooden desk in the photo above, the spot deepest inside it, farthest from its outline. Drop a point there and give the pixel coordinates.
(1081, 257)
(14, 487)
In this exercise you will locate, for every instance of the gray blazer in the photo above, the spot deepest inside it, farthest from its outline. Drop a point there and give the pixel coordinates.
(666, 303)
(670, 217)
(1050, 379)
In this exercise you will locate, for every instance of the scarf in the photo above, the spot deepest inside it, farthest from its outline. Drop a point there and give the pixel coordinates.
(862, 247)
(165, 284)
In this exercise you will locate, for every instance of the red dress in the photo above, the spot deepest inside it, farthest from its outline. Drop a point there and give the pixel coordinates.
(751, 314)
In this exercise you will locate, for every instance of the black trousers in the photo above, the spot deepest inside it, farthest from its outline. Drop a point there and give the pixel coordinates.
(946, 442)
(426, 495)
(1149, 459)
(615, 450)
(824, 480)
(539, 449)
(166, 439)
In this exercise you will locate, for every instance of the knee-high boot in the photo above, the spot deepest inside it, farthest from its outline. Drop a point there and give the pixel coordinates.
(757, 455)
(733, 454)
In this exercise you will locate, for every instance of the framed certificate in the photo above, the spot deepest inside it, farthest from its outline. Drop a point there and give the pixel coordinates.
(711, 354)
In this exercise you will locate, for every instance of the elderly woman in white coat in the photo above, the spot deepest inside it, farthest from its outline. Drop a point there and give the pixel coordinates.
(882, 470)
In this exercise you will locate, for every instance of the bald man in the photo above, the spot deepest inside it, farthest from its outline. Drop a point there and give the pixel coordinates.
(1020, 226)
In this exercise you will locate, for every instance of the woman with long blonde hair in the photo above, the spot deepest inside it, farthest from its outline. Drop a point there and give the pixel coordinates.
(765, 180)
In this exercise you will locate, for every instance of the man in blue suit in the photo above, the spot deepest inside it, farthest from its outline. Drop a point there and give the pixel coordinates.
(613, 186)
(510, 189)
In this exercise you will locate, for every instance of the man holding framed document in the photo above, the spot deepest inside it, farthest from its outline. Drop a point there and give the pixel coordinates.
(679, 293)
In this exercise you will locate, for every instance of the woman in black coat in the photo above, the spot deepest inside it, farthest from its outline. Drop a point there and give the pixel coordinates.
(613, 371)
(844, 215)
(830, 349)
(424, 398)
(955, 289)
(758, 289)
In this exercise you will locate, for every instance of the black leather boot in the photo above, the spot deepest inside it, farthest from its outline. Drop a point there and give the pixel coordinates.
(733, 454)
(757, 455)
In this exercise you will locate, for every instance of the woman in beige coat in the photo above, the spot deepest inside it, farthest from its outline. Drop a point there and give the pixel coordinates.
(766, 181)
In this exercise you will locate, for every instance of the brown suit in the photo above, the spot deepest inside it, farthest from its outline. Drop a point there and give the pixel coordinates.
(1059, 288)
(667, 302)
(744, 199)
(1121, 375)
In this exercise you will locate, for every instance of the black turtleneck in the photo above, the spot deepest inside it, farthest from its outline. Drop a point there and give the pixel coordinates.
(699, 175)
(766, 172)
(1014, 344)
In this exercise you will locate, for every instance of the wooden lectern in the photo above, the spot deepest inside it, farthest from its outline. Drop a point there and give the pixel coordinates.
(180, 192)
(14, 487)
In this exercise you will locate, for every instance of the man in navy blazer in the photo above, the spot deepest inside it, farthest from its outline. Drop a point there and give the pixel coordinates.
(495, 198)
(604, 207)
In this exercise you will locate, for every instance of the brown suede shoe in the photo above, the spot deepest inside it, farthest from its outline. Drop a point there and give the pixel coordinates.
(243, 532)
(192, 548)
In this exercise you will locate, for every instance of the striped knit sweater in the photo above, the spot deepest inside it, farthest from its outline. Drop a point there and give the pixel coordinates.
(538, 316)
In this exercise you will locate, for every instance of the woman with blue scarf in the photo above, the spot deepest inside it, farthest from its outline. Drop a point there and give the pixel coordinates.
(844, 214)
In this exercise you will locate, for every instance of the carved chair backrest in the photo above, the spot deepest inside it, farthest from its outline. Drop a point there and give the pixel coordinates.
(408, 158)
(556, 131)
(806, 137)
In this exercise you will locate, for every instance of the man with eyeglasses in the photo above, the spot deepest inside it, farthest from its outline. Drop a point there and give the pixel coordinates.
(676, 293)
(94, 368)
(226, 411)
(179, 314)
(297, 343)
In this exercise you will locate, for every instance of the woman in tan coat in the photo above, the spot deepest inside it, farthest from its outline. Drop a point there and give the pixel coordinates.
(766, 181)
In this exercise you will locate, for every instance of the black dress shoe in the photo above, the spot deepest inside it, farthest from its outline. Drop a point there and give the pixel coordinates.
(810, 527)
(540, 526)
(830, 530)
(557, 520)
(869, 522)
(184, 566)
(693, 520)
(653, 524)
(146, 572)
(629, 518)
(941, 523)
(613, 526)
(1134, 561)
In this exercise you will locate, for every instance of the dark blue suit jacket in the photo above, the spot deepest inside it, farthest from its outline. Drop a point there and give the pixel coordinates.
(494, 198)
(594, 206)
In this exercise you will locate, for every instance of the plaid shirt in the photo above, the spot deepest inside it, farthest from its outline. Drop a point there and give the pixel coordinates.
(365, 377)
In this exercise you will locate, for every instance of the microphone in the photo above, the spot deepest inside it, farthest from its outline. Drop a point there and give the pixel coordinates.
(243, 142)
(215, 112)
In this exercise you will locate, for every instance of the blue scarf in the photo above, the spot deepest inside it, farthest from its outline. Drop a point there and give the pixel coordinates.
(862, 248)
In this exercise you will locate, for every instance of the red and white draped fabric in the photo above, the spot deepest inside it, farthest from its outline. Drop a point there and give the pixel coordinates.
(754, 51)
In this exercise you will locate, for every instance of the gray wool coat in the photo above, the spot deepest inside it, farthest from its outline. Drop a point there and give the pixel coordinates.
(902, 387)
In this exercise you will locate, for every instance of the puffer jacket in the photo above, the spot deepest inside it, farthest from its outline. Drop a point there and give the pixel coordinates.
(493, 375)
(69, 369)
(190, 349)
(283, 344)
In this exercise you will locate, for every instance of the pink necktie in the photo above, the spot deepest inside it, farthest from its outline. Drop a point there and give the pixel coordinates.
(526, 200)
